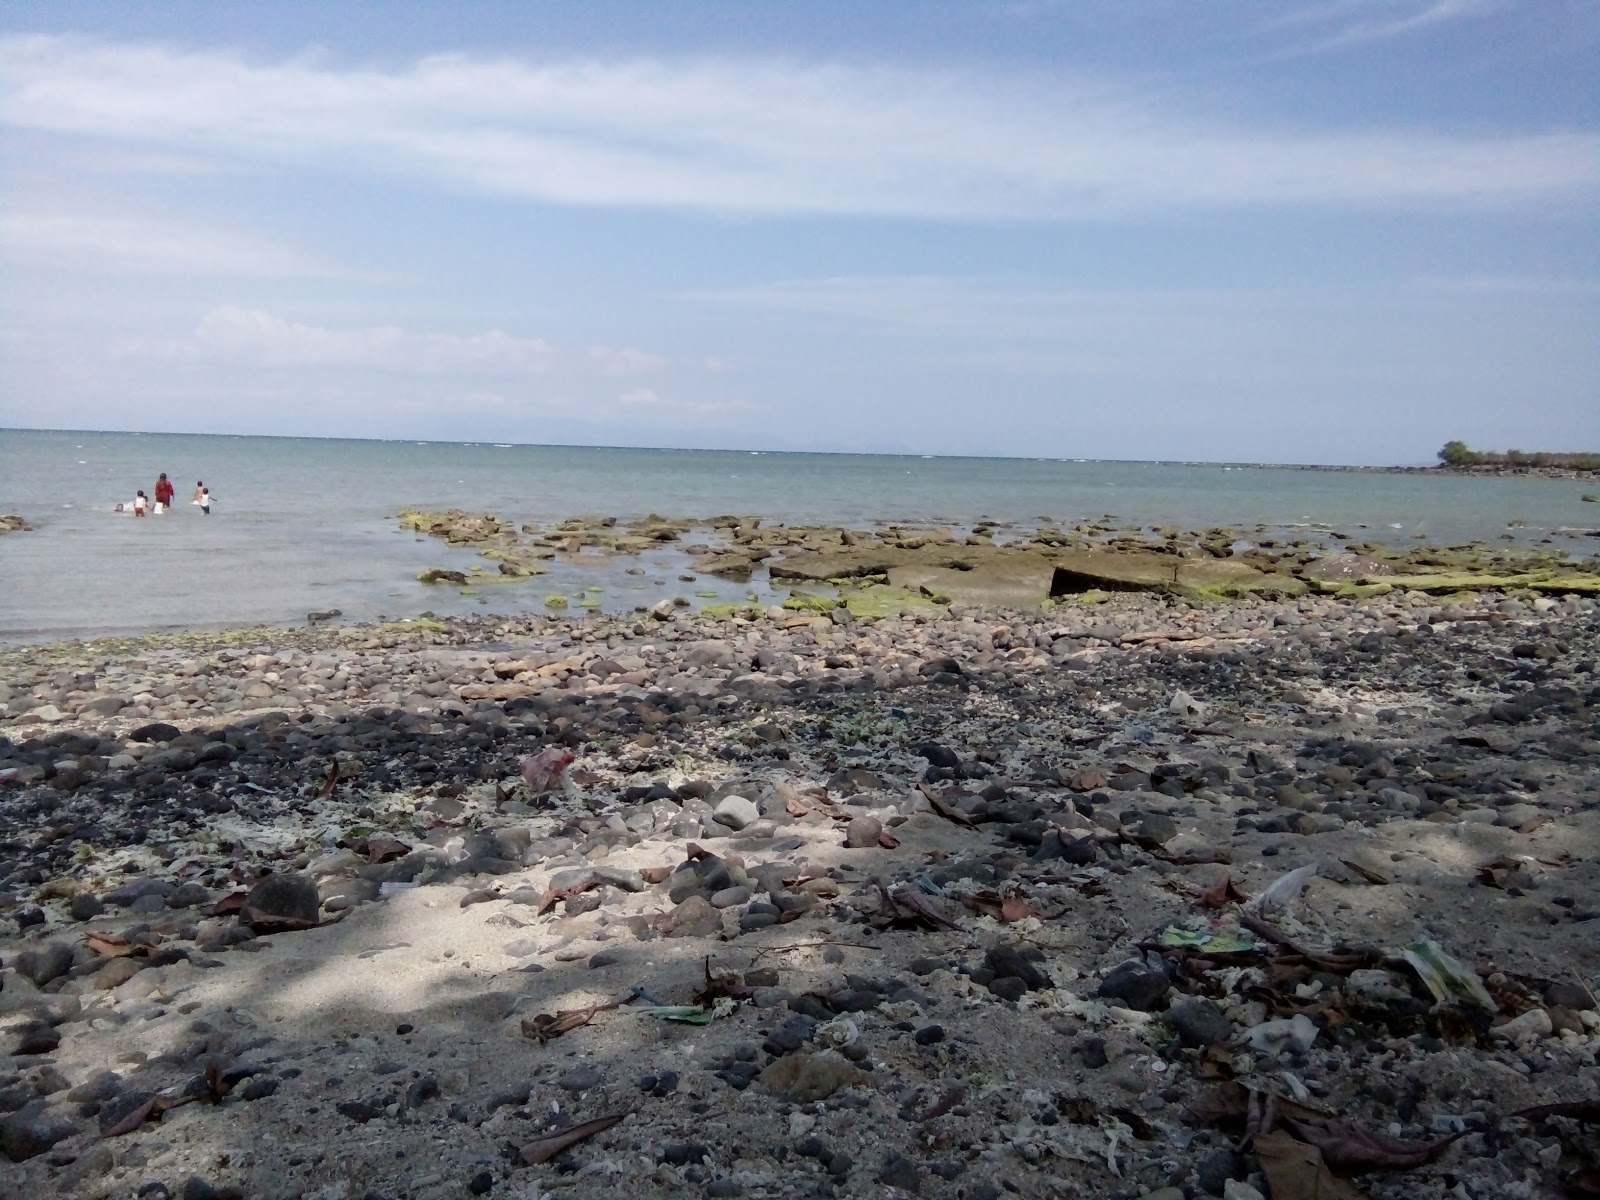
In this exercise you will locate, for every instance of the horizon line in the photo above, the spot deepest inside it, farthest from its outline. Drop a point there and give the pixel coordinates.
(1064, 458)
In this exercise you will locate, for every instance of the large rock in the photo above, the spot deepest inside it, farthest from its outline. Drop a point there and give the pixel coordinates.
(28, 1133)
(49, 961)
(736, 812)
(282, 903)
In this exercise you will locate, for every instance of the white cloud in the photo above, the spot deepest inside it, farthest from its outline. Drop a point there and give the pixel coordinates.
(1362, 22)
(649, 400)
(758, 136)
(626, 360)
(97, 242)
(253, 338)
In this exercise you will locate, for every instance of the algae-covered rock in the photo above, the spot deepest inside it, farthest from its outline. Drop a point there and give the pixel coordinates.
(1335, 567)
(440, 575)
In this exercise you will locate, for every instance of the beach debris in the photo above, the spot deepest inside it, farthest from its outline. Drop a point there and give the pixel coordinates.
(1279, 1037)
(545, 1027)
(1185, 706)
(1347, 1146)
(686, 1014)
(1221, 941)
(1296, 1170)
(1450, 981)
(542, 1149)
(542, 772)
(1282, 890)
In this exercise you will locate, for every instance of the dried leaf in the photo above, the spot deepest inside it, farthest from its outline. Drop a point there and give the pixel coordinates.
(887, 840)
(943, 809)
(385, 849)
(555, 896)
(1366, 873)
(1586, 1111)
(795, 807)
(134, 1119)
(216, 1085)
(1014, 908)
(543, 1149)
(110, 945)
(1088, 781)
(1296, 1171)
(1352, 1147)
(231, 903)
(545, 1027)
(654, 874)
(1231, 1103)
(331, 782)
(1221, 894)
(543, 771)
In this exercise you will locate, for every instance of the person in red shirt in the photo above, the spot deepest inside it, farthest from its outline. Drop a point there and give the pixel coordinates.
(164, 491)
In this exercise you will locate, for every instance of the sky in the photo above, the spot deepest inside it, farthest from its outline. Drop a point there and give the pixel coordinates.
(1300, 231)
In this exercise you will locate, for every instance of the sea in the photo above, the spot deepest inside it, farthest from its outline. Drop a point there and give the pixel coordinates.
(307, 524)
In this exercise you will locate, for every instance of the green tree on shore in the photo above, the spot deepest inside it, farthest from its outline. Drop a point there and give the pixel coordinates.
(1456, 454)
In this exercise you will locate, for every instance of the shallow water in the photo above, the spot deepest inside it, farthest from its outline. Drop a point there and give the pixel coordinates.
(304, 524)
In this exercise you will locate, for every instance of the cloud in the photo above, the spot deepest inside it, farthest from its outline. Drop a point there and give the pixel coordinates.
(252, 338)
(97, 242)
(649, 400)
(609, 360)
(755, 136)
(1363, 22)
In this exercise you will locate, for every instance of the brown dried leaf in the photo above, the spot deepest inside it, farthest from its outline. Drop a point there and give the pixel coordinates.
(887, 840)
(385, 849)
(1586, 1111)
(944, 810)
(1015, 908)
(654, 874)
(555, 896)
(543, 1149)
(1230, 1103)
(545, 1027)
(134, 1119)
(1366, 873)
(795, 807)
(1352, 1147)
(216, 1085)
(231, 903)
(331, 782)
(1296, 1171)
(1088, 781)
(109, 945)
(1221, 894)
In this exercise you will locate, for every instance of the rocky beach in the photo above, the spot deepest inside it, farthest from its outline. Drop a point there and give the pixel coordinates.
(1133, 891)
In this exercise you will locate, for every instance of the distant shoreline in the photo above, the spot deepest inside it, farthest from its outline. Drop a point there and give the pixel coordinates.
(1375, 468)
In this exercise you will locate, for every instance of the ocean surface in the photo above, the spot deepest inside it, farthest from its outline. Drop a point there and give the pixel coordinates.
(304, 524)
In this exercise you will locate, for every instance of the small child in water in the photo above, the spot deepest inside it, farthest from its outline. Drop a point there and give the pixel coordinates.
(139, 503)
(203, 500)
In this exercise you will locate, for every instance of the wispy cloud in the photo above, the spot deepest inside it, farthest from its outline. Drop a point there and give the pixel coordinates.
(763, 137)
(233, 336)
(1347, 23)
(154, 245)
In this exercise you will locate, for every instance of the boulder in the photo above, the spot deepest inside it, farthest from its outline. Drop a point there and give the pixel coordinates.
(282, 903)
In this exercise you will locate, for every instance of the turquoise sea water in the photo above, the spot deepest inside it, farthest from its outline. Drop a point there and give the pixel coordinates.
(305, 524)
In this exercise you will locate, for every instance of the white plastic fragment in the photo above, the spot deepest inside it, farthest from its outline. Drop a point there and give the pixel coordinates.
(1283, 889)
(1287, 1033)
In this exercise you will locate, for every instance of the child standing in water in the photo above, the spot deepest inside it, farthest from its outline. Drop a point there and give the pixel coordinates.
(204, 500)
(140, 501)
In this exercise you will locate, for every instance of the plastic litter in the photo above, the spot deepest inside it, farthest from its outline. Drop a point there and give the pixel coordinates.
(1285, 1034)
(687, 1014)
(1449, 980)
(1221, 942)
(1283, 889)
